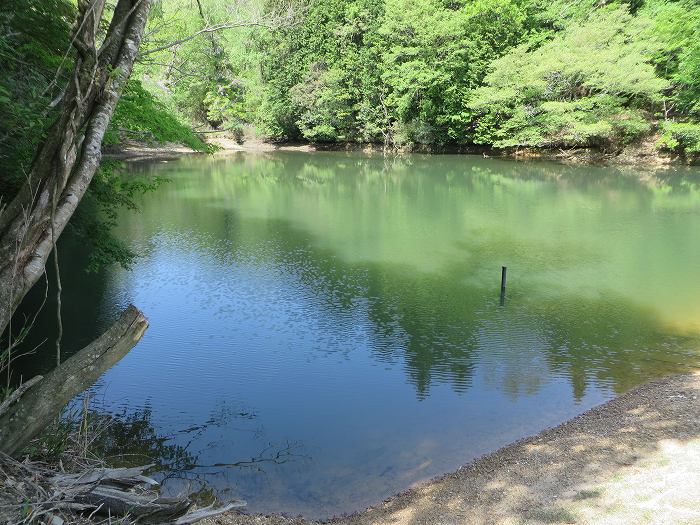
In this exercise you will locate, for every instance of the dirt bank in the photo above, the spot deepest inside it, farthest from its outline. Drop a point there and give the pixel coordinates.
(643, 154)
(229, 144)
(137, 151)
(634, 460)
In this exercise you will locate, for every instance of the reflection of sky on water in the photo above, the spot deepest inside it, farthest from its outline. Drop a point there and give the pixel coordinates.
(345, 313)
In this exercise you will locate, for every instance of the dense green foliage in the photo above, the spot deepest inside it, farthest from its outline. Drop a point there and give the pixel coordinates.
(141, 116)
(390, 71)
(514, 73)
(33, 38)
(677, 27)
(501, 73)
(591, 84)
(206, 79)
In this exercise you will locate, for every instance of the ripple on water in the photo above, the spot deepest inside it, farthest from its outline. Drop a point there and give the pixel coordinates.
(352, 326)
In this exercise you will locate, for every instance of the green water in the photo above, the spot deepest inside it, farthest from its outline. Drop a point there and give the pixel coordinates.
(343, 312)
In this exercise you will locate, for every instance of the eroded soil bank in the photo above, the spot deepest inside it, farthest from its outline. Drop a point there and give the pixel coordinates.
(643, 154)
(635, 459)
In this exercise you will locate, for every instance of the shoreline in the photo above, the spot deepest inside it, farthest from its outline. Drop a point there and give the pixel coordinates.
(643, 155)
(132, 151)
(620, 462)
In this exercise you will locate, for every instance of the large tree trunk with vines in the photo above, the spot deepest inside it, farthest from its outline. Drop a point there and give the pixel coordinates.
(67, 160)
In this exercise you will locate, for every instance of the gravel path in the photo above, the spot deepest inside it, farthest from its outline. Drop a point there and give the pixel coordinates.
(633, 460)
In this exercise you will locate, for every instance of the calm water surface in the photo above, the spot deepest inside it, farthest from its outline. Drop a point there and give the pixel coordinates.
(326, 329)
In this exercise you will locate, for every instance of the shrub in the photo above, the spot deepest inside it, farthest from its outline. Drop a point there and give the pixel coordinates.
(682, 137)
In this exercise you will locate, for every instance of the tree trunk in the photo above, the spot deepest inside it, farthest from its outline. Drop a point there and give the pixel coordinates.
(67, 160)
(24, 418)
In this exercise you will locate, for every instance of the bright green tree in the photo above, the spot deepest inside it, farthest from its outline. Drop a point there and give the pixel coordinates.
(592, 85)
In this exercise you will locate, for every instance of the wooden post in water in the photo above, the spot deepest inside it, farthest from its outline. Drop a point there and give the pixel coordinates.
(504, 270)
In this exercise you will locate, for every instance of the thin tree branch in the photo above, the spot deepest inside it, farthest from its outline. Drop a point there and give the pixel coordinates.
(57, 269)
(203, 31)
(288, 17)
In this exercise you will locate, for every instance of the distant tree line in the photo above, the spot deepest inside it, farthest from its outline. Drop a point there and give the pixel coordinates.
(498, 72)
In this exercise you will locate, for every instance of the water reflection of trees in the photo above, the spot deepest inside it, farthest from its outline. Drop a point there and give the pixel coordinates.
(443, 324)
(443, 332)
(83, 313)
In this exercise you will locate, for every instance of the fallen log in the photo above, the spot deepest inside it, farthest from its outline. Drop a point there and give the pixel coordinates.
(34, 409)
(32, 490)
(145, 507)
(97, 475)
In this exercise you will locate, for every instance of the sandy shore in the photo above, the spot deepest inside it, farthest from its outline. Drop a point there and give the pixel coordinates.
(633, 460)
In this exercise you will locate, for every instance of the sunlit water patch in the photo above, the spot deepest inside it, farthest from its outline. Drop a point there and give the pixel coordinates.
(325, 329)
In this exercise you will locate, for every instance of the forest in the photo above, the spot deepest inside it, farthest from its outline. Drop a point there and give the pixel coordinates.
(503, 74)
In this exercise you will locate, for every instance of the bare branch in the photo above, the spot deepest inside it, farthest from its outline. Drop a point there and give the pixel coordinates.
(206, 30)
(182, 72)
(57, 270)
(287, 16)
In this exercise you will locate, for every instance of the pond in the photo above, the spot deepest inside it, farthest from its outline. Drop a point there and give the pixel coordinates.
(325, 328)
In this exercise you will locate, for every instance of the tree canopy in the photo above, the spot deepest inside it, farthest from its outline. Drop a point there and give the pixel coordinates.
(512, 73)
(499, 73)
